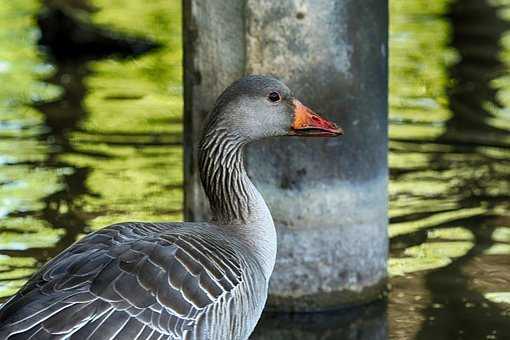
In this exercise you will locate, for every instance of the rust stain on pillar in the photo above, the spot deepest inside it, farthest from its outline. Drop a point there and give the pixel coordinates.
(328, 197)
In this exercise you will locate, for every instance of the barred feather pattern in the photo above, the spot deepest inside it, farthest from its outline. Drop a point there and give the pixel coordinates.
(142, 281)
(223, 174)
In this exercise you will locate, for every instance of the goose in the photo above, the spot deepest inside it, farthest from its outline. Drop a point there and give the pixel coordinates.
(206, 281)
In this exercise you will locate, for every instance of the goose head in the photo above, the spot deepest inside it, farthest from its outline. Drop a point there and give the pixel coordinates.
(256, 107)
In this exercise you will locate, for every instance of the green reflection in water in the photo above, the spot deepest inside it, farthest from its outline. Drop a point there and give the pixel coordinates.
(134, 110)
(440, 249)
(498, 297)
(501, 234)
(499, 109)
(419, 57)
(14, 271)
(22, 190)
(24, 181)
(433, 220)
(435, 182)
(27, 232)
(404, 265)
(21, 67)
(457, 233)
(433, 254)
(498, 249)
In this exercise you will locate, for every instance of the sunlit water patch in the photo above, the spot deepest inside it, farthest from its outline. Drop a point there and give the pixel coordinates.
(27, 178)
(449, 160)
(133, 120)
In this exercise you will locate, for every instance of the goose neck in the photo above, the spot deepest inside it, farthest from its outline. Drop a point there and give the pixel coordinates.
(235, 202)
(224, 177)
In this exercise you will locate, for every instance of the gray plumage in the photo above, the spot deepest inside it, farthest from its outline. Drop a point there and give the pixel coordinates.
(171, 281)
(141, 281)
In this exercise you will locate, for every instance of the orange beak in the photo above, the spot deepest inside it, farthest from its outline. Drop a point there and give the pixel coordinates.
(308, 123)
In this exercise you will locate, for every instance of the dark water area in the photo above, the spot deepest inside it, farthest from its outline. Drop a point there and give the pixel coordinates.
(98, 139)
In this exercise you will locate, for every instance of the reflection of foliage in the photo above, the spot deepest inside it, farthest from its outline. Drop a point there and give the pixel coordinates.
(499, 107)
(130, 139)
(418, 61)
(499, 297)
(14, 271)
(449, 177)
(134, 119)
(433, 184)
(501, 234)
(20, 64)
(159, 20)
(23, 185)
(132, 184)
(24, 188)
(456, 242)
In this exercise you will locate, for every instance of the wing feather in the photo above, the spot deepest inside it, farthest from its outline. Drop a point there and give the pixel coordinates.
(127, 281)
(41, 334)
(131, 329)
(128, 287)
(72, 317)
(110, 327)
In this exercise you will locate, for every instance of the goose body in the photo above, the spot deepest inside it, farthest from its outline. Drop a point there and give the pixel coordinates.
(142, 281)
(204, 281)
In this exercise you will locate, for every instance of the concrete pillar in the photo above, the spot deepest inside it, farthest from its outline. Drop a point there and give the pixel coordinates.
(328, 196)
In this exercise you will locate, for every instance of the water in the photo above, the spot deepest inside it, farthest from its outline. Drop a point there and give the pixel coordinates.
(89, 143)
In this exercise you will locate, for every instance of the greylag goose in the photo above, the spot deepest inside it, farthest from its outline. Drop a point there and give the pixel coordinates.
(176, 280)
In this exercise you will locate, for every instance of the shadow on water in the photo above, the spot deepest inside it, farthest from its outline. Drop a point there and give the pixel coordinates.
(459, 309)
(62, 116)
(67, 37)
(52, 164)
(72, 44)
(362, 323)
(450, 167)
(478, 30)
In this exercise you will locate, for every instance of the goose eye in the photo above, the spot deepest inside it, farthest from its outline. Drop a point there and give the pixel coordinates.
(274, 97)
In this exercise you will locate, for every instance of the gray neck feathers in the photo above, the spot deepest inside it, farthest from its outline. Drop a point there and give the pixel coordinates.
(223, 176)
(234, 200)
